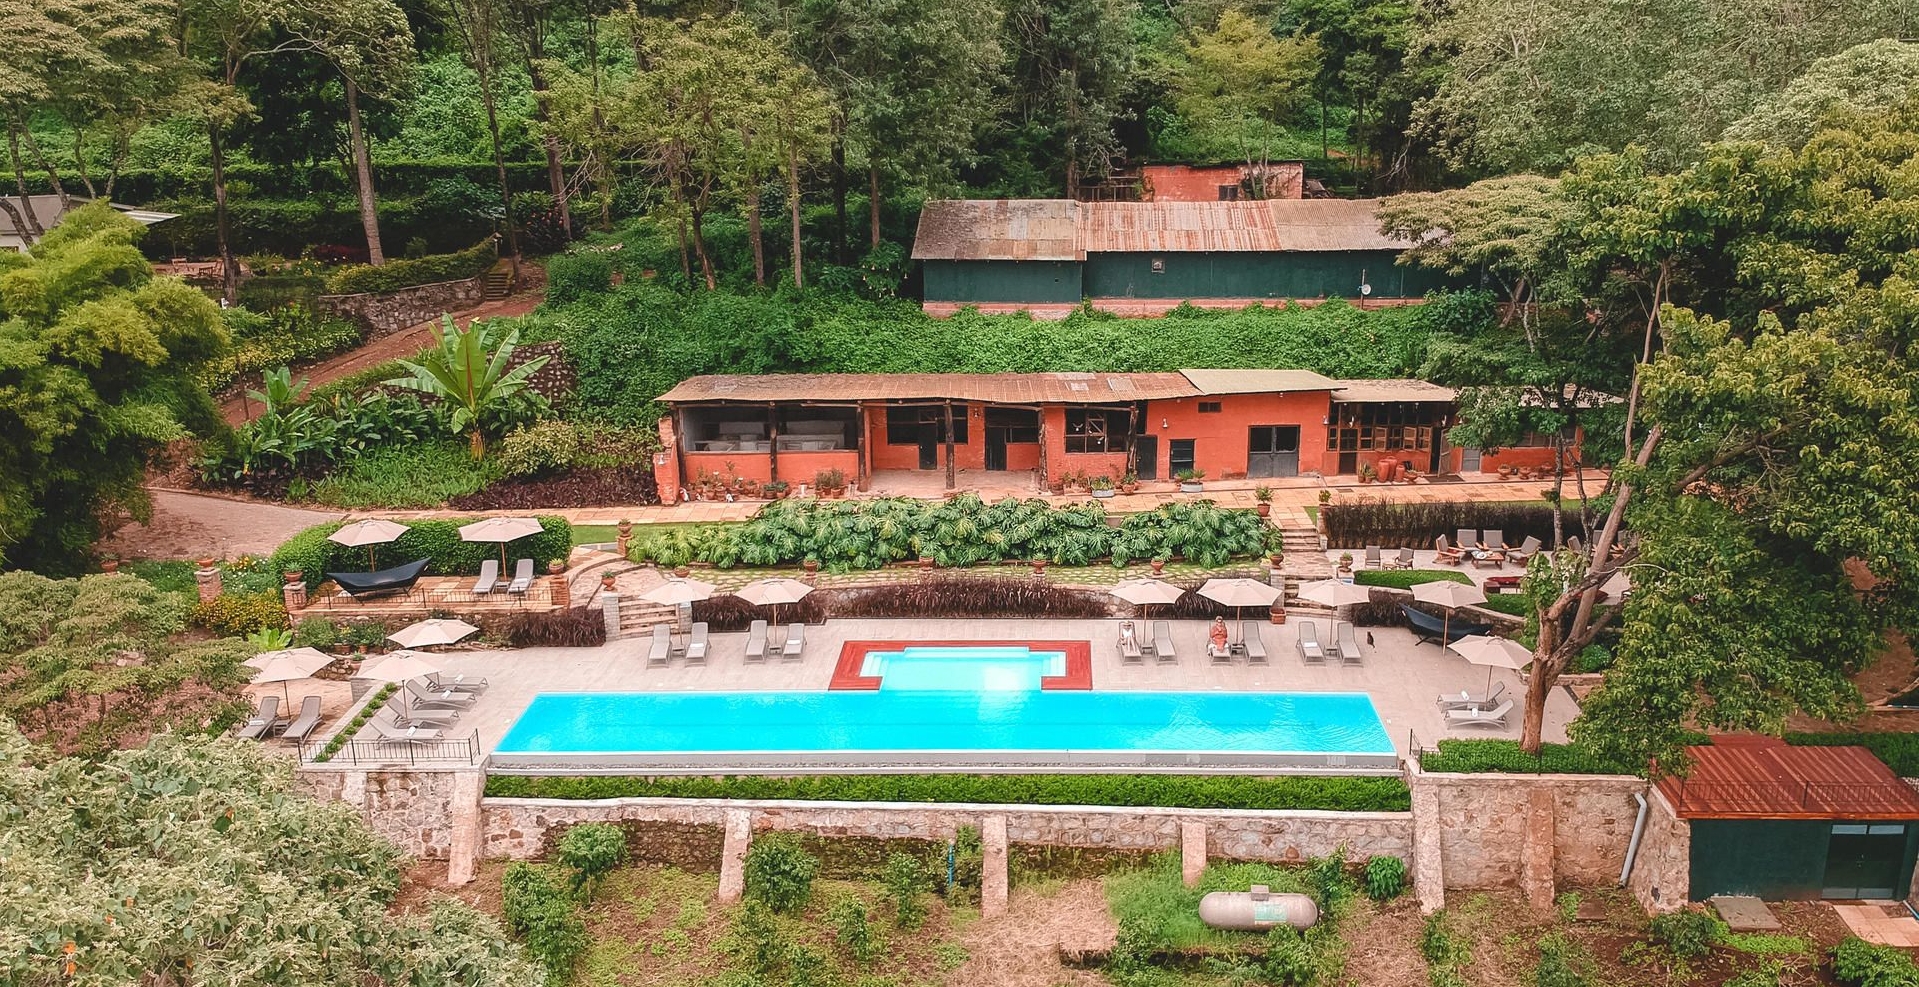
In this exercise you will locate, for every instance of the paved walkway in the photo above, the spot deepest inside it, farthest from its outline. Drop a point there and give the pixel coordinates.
(187, 525)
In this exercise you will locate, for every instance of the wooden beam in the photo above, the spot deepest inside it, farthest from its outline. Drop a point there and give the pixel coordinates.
(860, 482)
(773, 430)
(680, 439)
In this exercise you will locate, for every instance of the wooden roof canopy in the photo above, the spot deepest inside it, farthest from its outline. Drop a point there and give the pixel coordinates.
(1751, 777)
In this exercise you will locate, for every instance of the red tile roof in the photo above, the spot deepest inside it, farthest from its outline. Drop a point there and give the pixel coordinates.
(1061, 229)
(1765, 778)
(1058, 388)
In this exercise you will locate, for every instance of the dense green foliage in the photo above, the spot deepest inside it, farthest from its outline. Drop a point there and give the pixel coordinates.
(779, 872)
(197, 860)
(1900, 751)
(1158, 913)
(1468, 756)
(543, 916)
(310, 553)
(1385, 878)
(1407, 578)
(1861, 963)
(471, 373)
(591, 851)
(1176, 791)
(1688, 933)
(409, 273)
(284, 335)
(964, 530)
(427, 474)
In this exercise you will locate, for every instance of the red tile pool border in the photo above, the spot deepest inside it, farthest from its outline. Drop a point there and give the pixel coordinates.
(1079, 661)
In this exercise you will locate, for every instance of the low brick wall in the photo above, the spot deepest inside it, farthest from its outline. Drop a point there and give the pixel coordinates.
(521, 828)
(388, 312)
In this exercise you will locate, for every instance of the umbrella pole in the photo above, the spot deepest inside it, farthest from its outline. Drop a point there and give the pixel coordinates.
(1446, 629)
(370, 567)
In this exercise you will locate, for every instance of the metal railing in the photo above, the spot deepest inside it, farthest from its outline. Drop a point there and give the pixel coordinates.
(463, 750)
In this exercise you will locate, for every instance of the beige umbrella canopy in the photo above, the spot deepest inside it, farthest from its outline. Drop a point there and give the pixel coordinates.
(1334, 593)
(428, 633)
(773, 592)
(502, 530)
(1238, 594)
(289, 665)
(676, 592)
(1144, 592)
(397, 666)
(369, 532)
(1492, 652)
(1448, 594)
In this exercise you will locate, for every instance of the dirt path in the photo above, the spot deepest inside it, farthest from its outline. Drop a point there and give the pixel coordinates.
(190, 526)
(1021, 947)
(404, 343)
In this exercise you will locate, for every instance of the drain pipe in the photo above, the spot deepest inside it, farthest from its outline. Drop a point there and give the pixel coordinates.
(1638, 830)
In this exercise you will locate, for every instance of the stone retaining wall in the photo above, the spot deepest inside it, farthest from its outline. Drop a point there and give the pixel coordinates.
(414, 809)
(387, 312)
(1662, 872)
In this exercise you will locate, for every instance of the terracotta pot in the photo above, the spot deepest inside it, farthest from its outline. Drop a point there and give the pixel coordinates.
(1277, 558)
(1264, 509)
(1039, 566)
(810, 566)
(625, 528)
(1158, 567)
(291, 576)
(1127, 488)
(926, 563)
(606, 580)
(682, 571)
(206, 563)
(555, 568)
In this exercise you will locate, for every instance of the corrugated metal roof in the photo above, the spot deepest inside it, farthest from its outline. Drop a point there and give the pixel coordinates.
(1061, 229)
(999, 229)
(1257, 381)
(1060, 388)
(1765, 778)
(1398, 389)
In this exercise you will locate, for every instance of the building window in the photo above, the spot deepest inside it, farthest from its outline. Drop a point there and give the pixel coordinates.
(1209, 407)
(1018, 424)
(911, 426)
(1095, 430)
(1229, 193)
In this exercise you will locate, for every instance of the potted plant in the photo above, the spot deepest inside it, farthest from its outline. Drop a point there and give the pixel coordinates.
(1102, 487)
(206, 562)
(1345, 563)
(1325, 497)
(292, 576)
(1039, 566)
(1159, 565)
(606, 581)
(1367, 474)
(1263, 498)
(774, 489)
(812, 565)
(109, 563)
(830, 482)
(555, 566)
(682, 571)
(1129, 483)
(1189, 480)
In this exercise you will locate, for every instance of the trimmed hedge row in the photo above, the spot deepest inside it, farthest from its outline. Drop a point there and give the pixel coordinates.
(1504, 757)
(1170, 791)
(439, 540)
(1900, 751)
(1356, 524)
(397, 274)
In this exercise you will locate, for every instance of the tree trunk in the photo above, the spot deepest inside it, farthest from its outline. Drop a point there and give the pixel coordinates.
(839, 196)
(476, 443)
(80, 163)
(31, 230)
(222, 223)
(499, 165)
(699, 247)
(873, 201)
(1538, 688)
(363, 175)
(53, 174)
(755, 236)
(555, 171)
(19, 222)
(793, 209)
(686, 259)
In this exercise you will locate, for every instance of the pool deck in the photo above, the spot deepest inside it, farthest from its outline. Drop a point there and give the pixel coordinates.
(1402, 677)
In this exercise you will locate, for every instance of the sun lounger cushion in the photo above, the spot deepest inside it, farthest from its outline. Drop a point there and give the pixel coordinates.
(696, 645)
(305, 723)
(1347, 642)
(795, 645)
(756, 641)
(662, 650)
(1255, 648)
(1480, 717)
(522, 576)
(1310, 651)
(489, 578)
(258, 726)
(405, 735)
(1163, 643)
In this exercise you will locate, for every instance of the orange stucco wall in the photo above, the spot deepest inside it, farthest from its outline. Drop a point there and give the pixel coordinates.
(1188, 183)
(1219, 439)
(968, 455)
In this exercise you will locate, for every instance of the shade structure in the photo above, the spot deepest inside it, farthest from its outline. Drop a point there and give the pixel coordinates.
(397, 666)
(678, 592)
(772, 593)
(1239, 594)
(427, 633)
(1448, 594)
(288, 666)
(1492, 652)
(1146, 592)
(368, 532)
(500, 529)
(1334, 593)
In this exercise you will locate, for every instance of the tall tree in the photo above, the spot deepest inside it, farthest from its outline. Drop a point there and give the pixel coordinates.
(1873, 77)
(370, 44)
(1072, 62)
(479, 26)
(1237, 76)
(530, 25)
(1367, 63)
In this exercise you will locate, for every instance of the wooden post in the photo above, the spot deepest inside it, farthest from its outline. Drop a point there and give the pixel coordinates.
(1042, 449)
(773, 431)
(866, 436)
(951, 470)
(1132, 434)
(679, 448)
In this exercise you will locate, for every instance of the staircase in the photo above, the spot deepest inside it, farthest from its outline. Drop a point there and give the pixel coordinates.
(499, 282)
(1305, 562)
(637, 616)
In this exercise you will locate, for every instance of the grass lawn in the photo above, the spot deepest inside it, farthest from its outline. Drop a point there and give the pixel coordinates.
(595, 534)
(1407, 578)
(1517, 604)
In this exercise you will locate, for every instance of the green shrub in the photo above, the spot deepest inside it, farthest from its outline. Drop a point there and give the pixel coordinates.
(1474, 755)
(1900, 751)
(1689, 934)
(1385, 878)
(591, 850)
(397, 274)
(285, 336)
(1408, 578)
(1561, 963)
(969, 866)
(1332, 886)
(546, 446)
(1173, 791)
(852, 931)
(904, 881)
(316, 632)
(756, 939)
(544, 918)
(437, 539)
(779, 872)
(1445, 954)
(1512, 604)
(1856, 961)
(1763, 976)
(573, 275)
(1358, 523)
(240, 614)
(421, 474)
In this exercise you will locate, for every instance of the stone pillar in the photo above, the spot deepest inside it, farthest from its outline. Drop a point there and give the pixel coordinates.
(559, 591)
(610, 610)
(623, 538)
(295, 594)
(739, 836)
(992, 889)
(1536, 849)
(463, 812)
(1429, 870)
(207, 580)
(1192, 852)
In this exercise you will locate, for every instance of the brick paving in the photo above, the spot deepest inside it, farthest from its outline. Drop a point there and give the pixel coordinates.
(1887, 925)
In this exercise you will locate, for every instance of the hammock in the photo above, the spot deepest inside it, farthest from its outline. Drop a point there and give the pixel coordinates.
(398, 579)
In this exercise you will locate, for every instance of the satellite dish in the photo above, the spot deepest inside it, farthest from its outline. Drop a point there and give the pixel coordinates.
(1365, 289)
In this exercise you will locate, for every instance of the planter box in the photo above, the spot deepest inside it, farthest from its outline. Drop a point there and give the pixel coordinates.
(1102, 494)
(1192, 488)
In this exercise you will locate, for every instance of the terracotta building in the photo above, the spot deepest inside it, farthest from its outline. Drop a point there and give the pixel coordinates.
(1230, 424)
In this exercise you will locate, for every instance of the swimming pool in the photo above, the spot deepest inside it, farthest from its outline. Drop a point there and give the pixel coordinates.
(952, 707)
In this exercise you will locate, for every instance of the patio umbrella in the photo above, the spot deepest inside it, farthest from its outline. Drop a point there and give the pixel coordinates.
(1334, 593)
(1238, 594)
(428, 633)
(679, 592)
(772, 593)
(1448, 594)
(1492, 652)
(500, 529)
(287, 666)
(397, 666)
(369, 532)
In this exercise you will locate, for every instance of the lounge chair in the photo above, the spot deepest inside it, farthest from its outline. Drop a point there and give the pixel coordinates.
(1130, 653)
(1465, 700)
(1309, 650)
(1163, 649)
(444, 699)
(1223, 656)
(661, 653)
(795, 647)
(1574, 544)
(1373, 560)
(489, 578)
(420, 717)
(1347, 642)
(522, 577)
(1525, 552)
(696, 645)
(1255, 648)
(262, 722)
(1493, 540)
(305, 723)
(1404, 560)
(1446, 553)
(1466, 538)
(756, 642)
(1474, 716)
(404, 735)
(399, 579)
(459, 683)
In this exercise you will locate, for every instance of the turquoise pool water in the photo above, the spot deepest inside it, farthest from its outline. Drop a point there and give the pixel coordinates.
(1011, 668)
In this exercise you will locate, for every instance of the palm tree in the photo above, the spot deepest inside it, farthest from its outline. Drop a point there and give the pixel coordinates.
(468, 370)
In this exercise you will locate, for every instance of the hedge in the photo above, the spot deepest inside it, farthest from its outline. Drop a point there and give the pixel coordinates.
(395, 178)
(1900, 751)
(397, 274)
(1356, 524)
(1505, 757)
(439, 540)
(1170, 791)
(1408, 578)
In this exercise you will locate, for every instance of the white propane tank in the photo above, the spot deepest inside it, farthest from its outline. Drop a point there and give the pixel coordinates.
(1257, 910)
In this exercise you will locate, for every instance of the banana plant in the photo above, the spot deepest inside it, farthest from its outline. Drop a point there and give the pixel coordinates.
(467, 369)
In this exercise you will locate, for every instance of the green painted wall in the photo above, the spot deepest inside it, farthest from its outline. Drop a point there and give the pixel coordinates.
(1774, 859)
(1003, 281)
(1303, 274)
